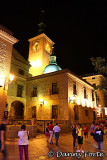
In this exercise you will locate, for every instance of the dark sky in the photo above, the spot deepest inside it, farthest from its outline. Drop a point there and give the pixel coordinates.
(78, 28)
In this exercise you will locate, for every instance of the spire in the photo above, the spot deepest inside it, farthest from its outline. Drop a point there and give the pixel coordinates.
(41, 25)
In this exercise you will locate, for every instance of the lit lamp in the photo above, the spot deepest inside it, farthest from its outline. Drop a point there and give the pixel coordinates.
(42, 102)
(1, 81)
(4, 81)
(72, 99)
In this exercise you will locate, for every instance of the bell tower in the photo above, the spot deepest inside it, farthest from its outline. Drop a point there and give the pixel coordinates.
(40, 49)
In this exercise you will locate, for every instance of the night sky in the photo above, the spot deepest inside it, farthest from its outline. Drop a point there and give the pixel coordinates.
(78, 28)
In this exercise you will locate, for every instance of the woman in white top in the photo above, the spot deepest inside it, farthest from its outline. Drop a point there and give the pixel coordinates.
(23, 142)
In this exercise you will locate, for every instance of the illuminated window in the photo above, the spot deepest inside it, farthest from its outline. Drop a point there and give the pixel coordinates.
(19, 90)
(34, 91)
(54, 112)
(74, 89)
(21, 71)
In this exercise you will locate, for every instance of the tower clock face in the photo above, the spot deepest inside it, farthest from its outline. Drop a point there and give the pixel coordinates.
(35, 47)
(48, 49)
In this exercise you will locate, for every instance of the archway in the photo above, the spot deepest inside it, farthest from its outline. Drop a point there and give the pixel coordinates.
(18, 108)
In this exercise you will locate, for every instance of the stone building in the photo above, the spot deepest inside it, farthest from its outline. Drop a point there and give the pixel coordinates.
(99, 81)
(41, 90)
(6, 44)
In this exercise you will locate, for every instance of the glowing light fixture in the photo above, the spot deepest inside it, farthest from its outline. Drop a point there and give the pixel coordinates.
(11, 77)
(83, 102)
(1, 81)
(78, 101)
(91, 104)
(87, 103)
(4, 81)
(42, 102)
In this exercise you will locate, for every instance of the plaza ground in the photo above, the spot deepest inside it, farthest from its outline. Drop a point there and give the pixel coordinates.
(39, 148)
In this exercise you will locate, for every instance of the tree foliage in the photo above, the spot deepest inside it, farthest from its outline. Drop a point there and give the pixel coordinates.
(100, 65)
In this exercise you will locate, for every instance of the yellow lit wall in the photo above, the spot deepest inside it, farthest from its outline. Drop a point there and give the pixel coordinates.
(40, 49)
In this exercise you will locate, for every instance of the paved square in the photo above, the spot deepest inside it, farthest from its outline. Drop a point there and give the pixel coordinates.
(39, 149)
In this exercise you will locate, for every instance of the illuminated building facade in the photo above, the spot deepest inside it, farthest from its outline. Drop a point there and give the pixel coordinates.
(51, 93)
(101, 93)
(6, 44)
(43, 91)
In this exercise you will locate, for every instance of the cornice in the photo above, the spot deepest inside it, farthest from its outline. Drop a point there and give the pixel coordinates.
(39, 36)
(8, 37)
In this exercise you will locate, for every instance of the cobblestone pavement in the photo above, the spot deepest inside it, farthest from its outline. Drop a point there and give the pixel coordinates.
(39, 148)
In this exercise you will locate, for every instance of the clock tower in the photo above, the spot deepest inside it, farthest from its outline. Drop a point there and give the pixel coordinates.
(40, 49)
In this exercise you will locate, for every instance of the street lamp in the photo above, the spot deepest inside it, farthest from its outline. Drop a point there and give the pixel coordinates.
(4, 81)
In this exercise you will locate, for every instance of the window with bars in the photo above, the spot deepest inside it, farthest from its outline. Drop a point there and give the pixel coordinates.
(19, 90)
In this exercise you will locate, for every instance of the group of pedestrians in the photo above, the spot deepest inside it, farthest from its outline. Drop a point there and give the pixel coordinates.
(77, 133)
(96, 130)
(52, 131)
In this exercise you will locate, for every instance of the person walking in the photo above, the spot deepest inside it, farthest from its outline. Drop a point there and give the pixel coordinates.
(74, 134)
(3, 137)
(99, 137)
(56, 130)
(92, 133)
(80, 138)
(50, 127)
(23, 142)
(47, 133)
(85, 129)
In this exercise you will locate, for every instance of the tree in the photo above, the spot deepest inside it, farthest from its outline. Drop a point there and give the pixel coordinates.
(100, 65)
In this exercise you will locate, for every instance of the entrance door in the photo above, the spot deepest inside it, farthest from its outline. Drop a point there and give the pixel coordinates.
(18, 109)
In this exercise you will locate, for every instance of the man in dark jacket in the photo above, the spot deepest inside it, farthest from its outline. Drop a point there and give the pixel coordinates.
(99, 137)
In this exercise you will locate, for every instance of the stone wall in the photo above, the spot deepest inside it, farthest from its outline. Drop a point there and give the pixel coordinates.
(6, 44)
(44, 85)
(12, 131)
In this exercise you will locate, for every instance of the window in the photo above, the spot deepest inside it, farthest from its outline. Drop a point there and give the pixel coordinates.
(92, 95)
(19, 90)
(86, 112)
(21, 71)
(34, 112)
(54, 89)
(54, 112)
(85, 96)
(93, 77)
(34, 92)
(74, 88)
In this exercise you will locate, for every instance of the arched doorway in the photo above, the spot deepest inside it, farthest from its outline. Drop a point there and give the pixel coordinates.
(18, 109)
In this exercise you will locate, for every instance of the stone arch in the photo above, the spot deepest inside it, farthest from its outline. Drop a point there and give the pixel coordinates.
(17, 109)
